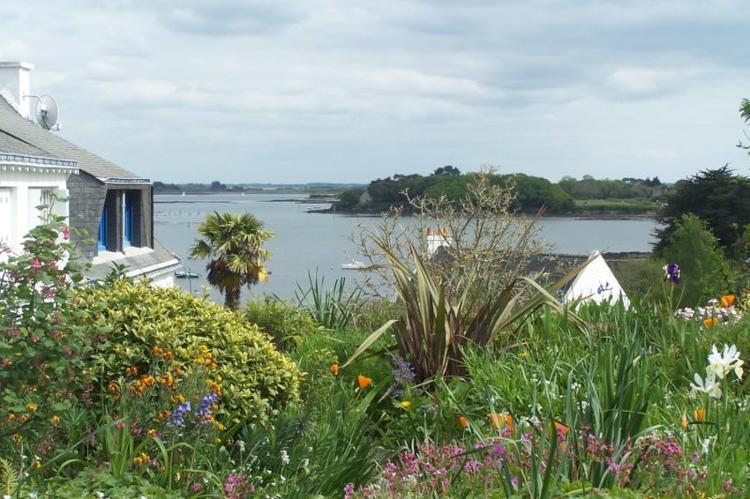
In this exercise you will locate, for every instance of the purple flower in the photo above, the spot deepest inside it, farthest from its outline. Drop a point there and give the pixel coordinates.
(403, 372)
(204, 408)
(348, 490)
(472, 466)
(672, 273)
(178, 415)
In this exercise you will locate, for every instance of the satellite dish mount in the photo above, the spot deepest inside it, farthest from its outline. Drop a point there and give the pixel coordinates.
(46, 112)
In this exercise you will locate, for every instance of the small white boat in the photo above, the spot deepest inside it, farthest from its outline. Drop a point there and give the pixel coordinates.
(353, 265)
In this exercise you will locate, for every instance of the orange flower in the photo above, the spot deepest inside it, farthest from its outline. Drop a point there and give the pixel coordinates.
(684, 422)
(131, 371)
(463, 422)
(727, 300)
(335, 368)
(700, 414)
(497, 419)
(561, 429)
(711, 322)
(363, 381)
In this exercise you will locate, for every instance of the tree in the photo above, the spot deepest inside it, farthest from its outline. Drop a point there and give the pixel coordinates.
(703, 267)
(745, 115)
(448, 170)
(349, 199)
(718, 197)
(233, 244)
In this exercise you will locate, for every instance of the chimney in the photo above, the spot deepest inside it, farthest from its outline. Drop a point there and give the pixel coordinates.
(15, 85)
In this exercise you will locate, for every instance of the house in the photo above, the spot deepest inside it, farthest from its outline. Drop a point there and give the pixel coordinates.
(112, 205)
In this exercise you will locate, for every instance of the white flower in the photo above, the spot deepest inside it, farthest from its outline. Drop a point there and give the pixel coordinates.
(721, 364)
(709, 386)
(284, 457)
(241, 445)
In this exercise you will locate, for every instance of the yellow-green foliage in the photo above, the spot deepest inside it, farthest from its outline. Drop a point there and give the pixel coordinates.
(131, 319)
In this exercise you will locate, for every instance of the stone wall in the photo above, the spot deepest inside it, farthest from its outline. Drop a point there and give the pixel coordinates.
(86, 200)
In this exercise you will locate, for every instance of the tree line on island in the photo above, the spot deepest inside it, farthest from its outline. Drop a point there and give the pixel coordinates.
(568, 196)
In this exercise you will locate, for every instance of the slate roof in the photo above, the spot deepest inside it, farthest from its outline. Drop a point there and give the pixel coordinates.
(27, 135)
(13, 145)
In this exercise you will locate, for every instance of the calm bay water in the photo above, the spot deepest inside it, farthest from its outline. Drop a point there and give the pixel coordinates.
(306, 241)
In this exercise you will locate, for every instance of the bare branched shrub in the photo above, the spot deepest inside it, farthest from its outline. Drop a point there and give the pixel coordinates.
(486, 237)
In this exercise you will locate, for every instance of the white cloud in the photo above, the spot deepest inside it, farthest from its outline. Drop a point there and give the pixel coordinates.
(344, 90)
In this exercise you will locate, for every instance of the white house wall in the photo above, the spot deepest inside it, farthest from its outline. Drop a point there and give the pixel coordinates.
(20, 193)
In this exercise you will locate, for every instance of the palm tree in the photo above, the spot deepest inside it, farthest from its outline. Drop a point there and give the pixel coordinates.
(233, 245)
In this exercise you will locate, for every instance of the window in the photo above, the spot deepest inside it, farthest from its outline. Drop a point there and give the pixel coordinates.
(7, 215)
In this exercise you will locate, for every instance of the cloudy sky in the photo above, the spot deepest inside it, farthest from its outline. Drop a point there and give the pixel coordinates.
(346, 90)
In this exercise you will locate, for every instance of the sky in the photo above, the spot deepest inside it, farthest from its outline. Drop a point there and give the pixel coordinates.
(348, 91)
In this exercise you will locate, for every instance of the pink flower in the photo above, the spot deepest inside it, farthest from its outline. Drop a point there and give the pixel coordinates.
(36, 264)
(66, 233)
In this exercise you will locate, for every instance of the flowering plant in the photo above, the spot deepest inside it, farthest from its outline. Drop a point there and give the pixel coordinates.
(40, 351)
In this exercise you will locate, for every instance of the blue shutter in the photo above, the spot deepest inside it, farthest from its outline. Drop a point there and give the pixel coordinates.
(128, 222)
(101, 241)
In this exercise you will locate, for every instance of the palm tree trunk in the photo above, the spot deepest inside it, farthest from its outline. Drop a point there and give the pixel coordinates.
(232, 298)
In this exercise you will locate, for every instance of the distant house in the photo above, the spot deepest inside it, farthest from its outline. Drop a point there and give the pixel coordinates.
(113, 205)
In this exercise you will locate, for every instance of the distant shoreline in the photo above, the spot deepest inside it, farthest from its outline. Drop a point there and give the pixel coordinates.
(581, 215)
(329, 198)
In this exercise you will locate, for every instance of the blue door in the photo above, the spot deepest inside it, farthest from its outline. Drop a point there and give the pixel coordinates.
(101, 240)
(128, 222)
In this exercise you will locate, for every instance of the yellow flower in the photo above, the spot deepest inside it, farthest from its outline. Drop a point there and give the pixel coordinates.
(31, 406)
(152, 432)
(700, 414)
(405, 404)
(142, 458)
(17, 439)
(55, 420)
(214, 387)
(217, 441)
(684, 422)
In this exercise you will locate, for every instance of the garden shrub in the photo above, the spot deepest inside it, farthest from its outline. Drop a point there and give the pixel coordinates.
(285, 323)
(41, 352)
(702, 263)
(96, 483)
(136, 326)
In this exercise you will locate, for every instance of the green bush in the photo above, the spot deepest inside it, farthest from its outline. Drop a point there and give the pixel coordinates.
(135, 324)
(91, 483)
(285, 323)
(704, 269)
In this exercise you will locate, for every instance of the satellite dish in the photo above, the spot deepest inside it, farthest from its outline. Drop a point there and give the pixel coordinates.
(46, 112)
